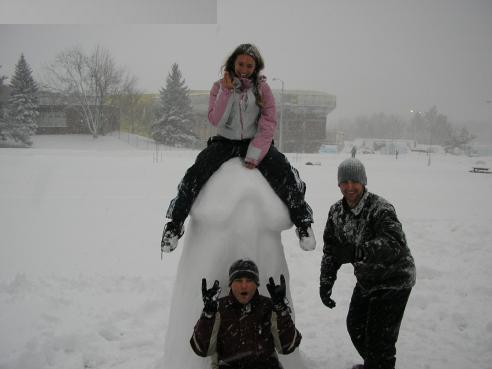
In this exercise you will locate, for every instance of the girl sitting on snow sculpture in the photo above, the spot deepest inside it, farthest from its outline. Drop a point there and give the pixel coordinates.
(242, 107)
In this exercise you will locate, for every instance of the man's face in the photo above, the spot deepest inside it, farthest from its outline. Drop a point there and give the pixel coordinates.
(243, 289)
(352, 192)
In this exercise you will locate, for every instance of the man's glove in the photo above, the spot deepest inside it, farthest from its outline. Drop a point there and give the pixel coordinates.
(325, 294)
(277, 293)
(210, 297)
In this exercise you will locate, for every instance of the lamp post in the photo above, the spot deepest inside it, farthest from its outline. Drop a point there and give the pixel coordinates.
(281, 122)
(429, 122)
(430, 143)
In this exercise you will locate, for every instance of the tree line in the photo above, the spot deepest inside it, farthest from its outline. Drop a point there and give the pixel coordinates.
(430, 128)
(96, 86)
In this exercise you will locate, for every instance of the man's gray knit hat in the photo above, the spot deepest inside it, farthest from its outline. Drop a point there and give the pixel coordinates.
(352, 169)
(244, 268)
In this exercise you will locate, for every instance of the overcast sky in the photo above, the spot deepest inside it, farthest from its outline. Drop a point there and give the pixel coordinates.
(380, 55)
(107, 11)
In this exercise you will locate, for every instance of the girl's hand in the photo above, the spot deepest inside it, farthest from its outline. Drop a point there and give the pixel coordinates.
(227, 81)
(249, 165)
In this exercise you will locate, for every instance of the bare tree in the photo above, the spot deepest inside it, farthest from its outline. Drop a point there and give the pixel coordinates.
(90, 80)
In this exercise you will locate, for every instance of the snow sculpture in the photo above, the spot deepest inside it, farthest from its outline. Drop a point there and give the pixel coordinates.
(236, 215)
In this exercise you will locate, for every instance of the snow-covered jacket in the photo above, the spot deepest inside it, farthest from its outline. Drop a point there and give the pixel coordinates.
(373, 226)
(237, 116)
(245, 336)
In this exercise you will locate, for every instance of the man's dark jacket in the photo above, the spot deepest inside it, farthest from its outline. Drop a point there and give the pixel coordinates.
(373, 227)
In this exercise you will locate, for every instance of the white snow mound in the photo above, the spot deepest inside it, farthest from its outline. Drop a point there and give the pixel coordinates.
(237, 215)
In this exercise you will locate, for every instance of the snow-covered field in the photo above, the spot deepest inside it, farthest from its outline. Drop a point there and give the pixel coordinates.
(82, 284)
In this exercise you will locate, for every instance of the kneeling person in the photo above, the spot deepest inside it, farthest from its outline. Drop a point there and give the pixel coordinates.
(245, 329)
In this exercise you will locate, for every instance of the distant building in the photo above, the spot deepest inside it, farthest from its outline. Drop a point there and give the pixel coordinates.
(59, 115)
(304, 119)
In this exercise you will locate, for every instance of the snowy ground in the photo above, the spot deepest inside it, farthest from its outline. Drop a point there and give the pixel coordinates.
(82, 284)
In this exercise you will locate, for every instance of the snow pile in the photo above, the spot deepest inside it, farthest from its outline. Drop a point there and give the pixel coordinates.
(237, 215)
(81, 322)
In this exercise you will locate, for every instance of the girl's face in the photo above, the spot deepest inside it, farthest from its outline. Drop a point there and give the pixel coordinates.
(244, 66)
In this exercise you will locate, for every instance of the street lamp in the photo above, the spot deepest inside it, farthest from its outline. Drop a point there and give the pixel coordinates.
(281, 123)
(429, 122)
(430, 143)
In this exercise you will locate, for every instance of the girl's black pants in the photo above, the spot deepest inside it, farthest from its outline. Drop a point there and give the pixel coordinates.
(277, 170)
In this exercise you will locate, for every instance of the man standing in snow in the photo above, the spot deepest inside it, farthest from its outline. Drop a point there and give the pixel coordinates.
(245, 330)
(363, 229)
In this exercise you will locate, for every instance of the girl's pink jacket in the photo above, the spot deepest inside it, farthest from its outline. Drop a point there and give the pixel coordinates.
(237, 117)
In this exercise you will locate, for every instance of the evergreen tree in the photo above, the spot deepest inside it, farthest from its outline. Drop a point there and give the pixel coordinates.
(459, 140)
(174, 115)
(22, 104)
(2, 109)
(440, 129)
(430, 127)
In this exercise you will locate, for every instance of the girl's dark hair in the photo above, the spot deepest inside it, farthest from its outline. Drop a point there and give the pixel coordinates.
(251, 50)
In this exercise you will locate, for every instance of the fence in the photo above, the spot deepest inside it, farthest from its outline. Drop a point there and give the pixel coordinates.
(145, 143)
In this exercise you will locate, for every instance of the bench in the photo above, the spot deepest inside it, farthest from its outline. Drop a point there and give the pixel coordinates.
(480, 170)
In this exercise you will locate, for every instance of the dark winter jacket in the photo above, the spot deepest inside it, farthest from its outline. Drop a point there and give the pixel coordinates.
(245, 336)
(374, 227)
